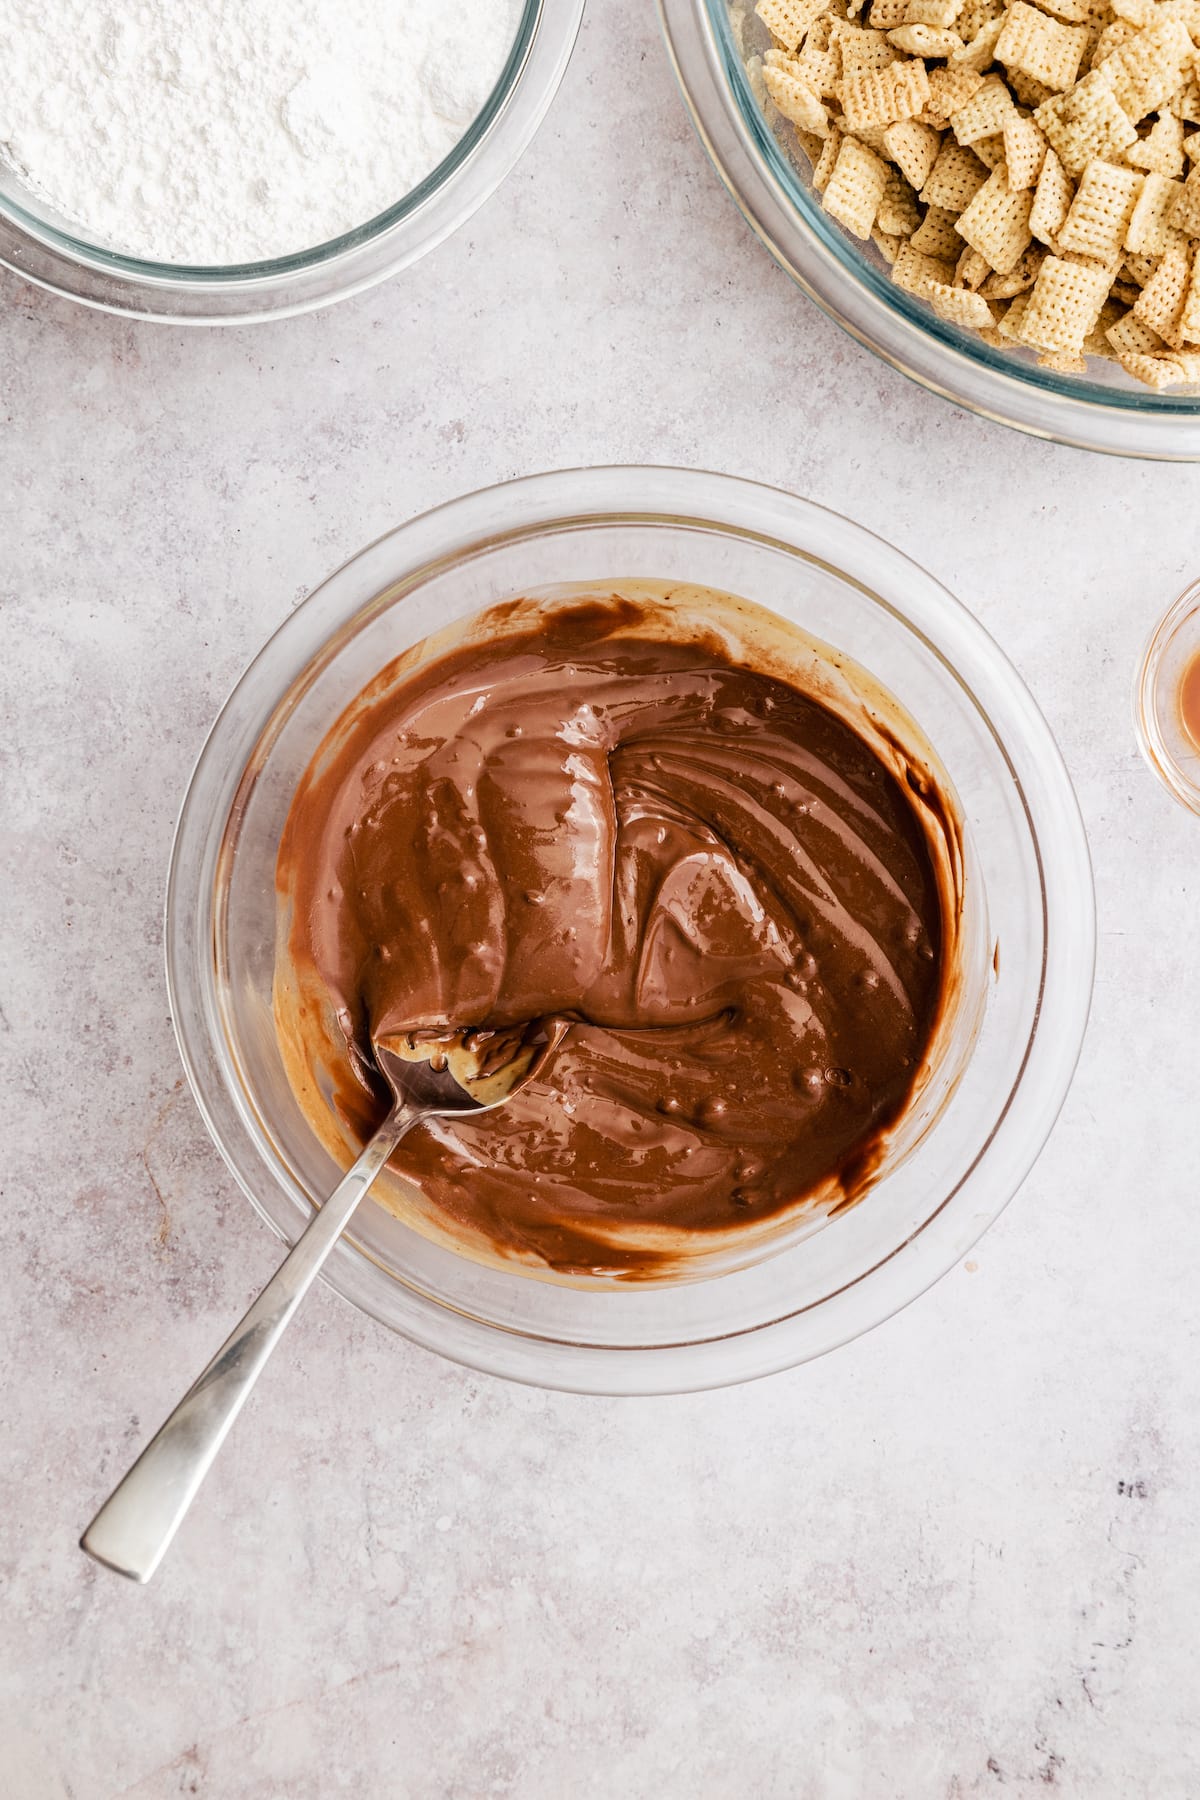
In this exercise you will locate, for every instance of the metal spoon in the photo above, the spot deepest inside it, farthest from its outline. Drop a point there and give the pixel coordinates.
(134, 1528)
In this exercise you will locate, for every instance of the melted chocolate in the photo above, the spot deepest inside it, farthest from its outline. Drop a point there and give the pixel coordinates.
(716, 879)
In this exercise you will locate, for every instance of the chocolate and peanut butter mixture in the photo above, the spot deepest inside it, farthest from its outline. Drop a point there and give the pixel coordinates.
(715, 879)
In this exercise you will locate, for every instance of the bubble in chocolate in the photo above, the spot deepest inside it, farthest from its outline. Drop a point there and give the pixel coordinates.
(809, 1081)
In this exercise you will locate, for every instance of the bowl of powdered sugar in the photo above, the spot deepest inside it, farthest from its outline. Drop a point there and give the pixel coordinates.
(213, 160)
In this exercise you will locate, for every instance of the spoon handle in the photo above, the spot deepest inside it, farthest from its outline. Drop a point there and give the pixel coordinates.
(133, 1529)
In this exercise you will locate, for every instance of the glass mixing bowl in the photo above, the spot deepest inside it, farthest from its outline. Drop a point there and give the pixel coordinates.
(1028, 922)
(47, 249)
(1104, 410)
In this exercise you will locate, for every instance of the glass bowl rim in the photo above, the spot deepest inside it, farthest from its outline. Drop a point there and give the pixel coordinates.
(647, 496)
(834, 274)
(545, 27)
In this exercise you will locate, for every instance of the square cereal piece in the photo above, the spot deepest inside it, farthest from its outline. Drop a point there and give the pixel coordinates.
(987, 112)
(1010, 325)
(1191, 147)
(955, 179)
(1138, 13)
(1148, 232)
(925, 40)
(1085, 123)
(884, 96)
(1139, 269)
(997, 222)
(990, 150)
(824, 168)
(1188, 364)
(1189, 318)
(1018, 279)
(885, 15)
(1101, 211)
(941, 14)
(1160, 303)
(794, 98)
(1062, 363)
(1186, 103)
(1161, 150)
(976, 14)
(948, 90)
(1148, 70)
(916, 273)
(1112, 38)
(936, 235)
(861, 51)
(1051, 200)
(1040, 46)
(1064, 304)
(899, 214)
(913, 148)
(855, 188)
(1185, 209)
(788, 20)
(972, 270)
(811, 145)
(1096, 342)
(1029, 92)
(1072, 12)
(819, 64)
(1130, 337)
(1024, 150)
(887, 244)
(980, 52)
(958, 306)
(1164, 371)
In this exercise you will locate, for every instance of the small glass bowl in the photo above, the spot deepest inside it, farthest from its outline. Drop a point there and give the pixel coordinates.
(1164, 742)
(1104, 410)
(1028, 921)
(46, 249)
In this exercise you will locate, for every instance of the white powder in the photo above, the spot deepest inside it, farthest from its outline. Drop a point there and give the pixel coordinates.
(219, 131)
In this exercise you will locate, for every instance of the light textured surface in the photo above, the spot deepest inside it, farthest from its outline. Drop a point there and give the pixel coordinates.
(955, 1559)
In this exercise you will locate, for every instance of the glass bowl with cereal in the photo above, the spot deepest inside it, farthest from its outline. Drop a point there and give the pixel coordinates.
(1000, 199)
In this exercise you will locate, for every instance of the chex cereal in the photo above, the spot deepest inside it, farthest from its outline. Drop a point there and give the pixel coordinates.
(1039, 46)
(1030, 172)
(1100, 213)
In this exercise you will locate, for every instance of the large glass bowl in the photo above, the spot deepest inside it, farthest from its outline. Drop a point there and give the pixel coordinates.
(47, 249)
(1028, 920)
(1104, 410)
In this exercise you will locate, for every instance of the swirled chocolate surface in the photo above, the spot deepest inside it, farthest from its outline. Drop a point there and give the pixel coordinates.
(722, 885)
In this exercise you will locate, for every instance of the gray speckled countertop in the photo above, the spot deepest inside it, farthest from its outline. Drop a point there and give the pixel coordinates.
(955, 1559)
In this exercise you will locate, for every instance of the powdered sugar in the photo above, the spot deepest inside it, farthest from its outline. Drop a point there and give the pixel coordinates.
(221, 131)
